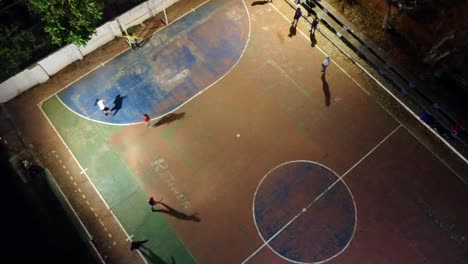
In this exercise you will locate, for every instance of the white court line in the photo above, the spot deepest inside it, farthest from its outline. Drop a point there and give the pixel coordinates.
(102, 64)
(79, 219)
(321, 50)
(89, 179)
(76, 160)
(71, 207)
(304, 210)
(372, 150)
(95, 249)
(266, 243)
(393, 96)
(175, 109)
(113, 57)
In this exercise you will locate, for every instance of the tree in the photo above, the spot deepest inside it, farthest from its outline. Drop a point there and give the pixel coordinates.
(68, 21)
(15, 50)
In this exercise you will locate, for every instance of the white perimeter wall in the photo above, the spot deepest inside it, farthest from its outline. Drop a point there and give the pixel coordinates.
(41, 71)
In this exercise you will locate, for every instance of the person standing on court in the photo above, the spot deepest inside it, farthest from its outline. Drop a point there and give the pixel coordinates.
(297, 15)
(102, 106)
(152, 203)
(146, 119)
(325, 64)
(314, 25)
(133, 41)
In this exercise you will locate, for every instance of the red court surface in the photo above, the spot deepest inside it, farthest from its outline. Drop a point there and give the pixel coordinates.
(282, 164)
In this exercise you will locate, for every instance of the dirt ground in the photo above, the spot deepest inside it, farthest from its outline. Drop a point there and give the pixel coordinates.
(108, 237)
(410, 40)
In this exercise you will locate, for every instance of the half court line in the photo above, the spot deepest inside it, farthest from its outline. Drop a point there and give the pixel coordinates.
(381, 85)
(304, 210)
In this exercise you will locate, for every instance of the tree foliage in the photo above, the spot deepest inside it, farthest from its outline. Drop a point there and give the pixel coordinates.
(15, 50)
(68, 21)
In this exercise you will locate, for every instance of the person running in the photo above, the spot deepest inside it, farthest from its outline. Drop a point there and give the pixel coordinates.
(102, 106)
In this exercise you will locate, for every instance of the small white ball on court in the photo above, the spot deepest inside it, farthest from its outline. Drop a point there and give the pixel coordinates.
(238, 135)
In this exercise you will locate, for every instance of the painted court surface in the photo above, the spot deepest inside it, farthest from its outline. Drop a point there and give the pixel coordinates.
(258, 158)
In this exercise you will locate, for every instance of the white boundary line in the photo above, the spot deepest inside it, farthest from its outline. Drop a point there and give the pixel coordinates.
(393, 96)
(372, 150)
(175, 109)
(340, 178)
(95, 249)
(422, 143)
(89, 179)
(71, 207)
(77, 217)
(115, 56)
(76, 160)
(266, 243)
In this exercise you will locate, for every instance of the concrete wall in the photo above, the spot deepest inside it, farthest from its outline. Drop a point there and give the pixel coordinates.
(60, 59)
(22, 82)
(104, 34)
(43, 69)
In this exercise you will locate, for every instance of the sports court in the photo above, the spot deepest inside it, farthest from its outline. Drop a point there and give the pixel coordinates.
(256, 155)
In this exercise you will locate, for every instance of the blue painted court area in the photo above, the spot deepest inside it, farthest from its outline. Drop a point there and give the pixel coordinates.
(174, 65)
(320, 233)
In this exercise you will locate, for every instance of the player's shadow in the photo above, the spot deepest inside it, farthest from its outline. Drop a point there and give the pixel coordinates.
(143, 42)
(326, 90)
(313, 40)
(177, 214)
(167, 119)
(260, 3)
(153, 258)
(149, 254)
(118, 102)
(138, 244)
(292, 31)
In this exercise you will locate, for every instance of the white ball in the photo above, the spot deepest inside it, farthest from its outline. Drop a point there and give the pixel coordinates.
(238, 135)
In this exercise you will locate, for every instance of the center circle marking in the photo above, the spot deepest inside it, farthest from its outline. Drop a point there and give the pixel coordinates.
(304, 212)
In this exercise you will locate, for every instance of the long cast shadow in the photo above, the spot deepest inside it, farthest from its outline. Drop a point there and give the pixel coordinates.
(167, 119)
(118, 101)
(151, 257)
(326, 90)
(313, 40)
(138, 244)
(142, 43)
(177, 214)
(259, 3)
(292, 31)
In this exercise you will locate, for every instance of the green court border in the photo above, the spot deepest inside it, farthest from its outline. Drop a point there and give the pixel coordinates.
(89, 144)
